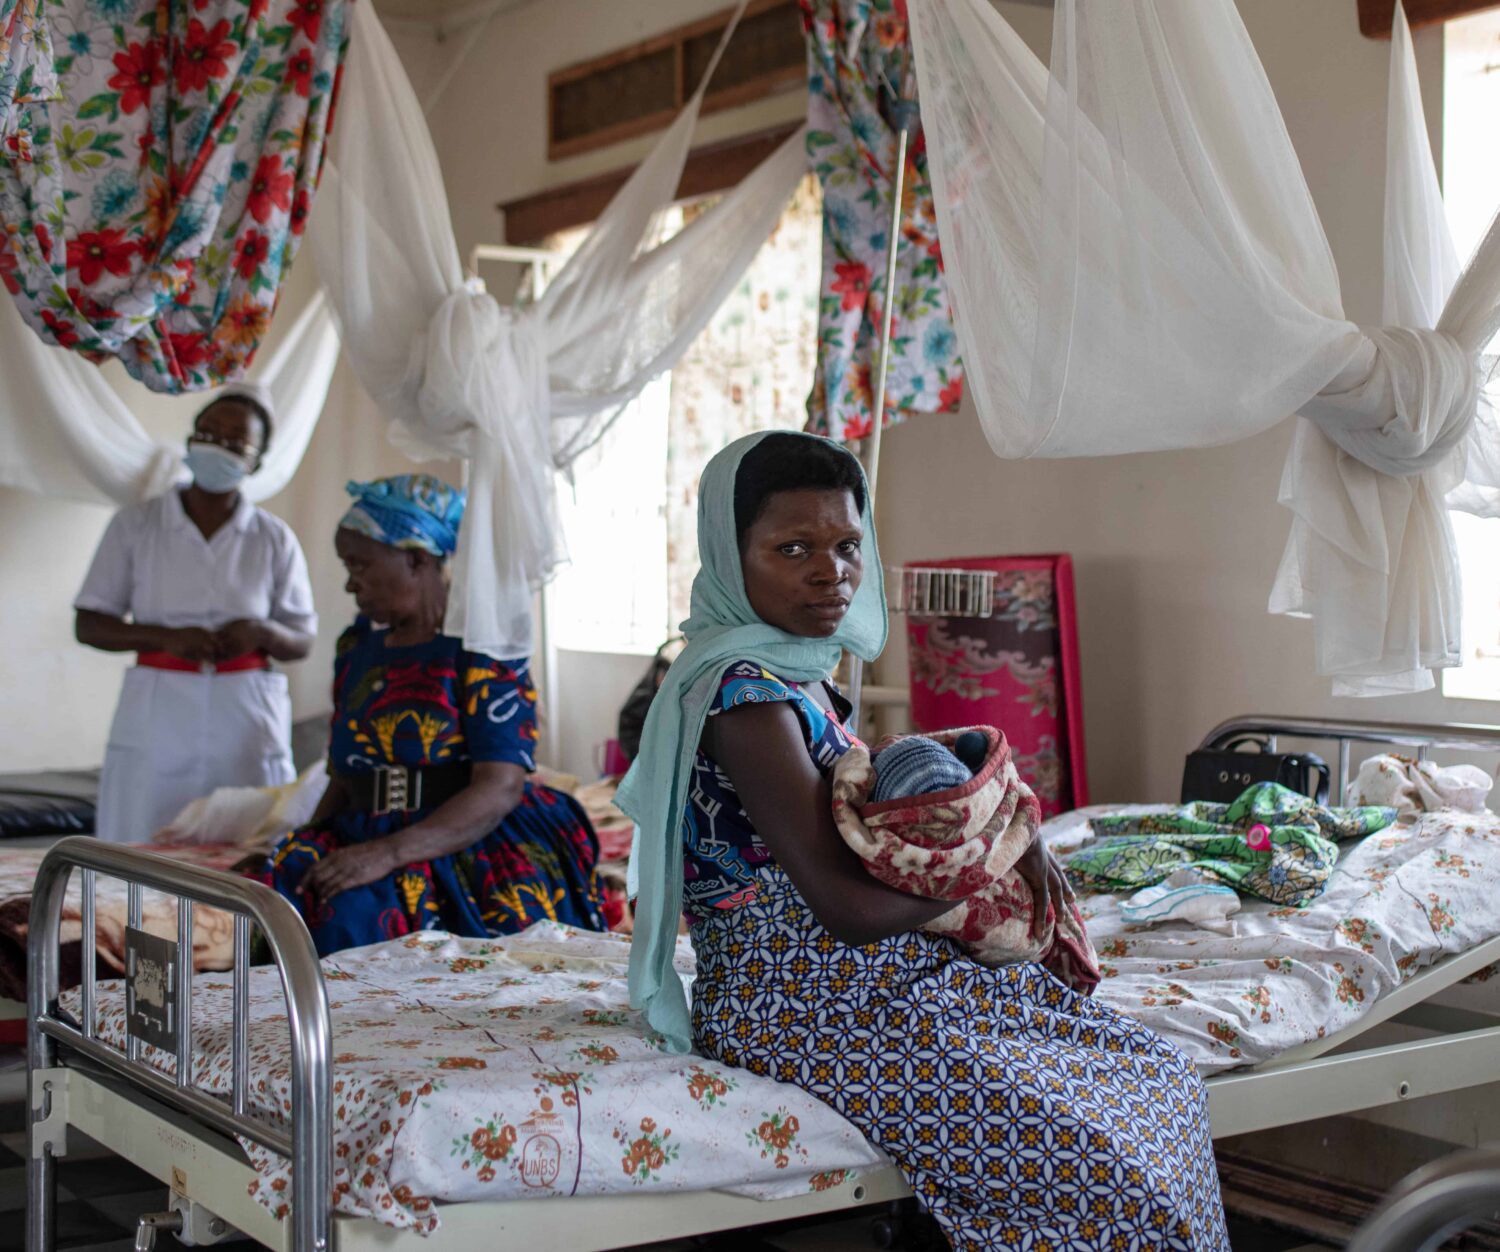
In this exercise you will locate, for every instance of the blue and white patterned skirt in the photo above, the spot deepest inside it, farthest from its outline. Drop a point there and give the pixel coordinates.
(1024, 1116)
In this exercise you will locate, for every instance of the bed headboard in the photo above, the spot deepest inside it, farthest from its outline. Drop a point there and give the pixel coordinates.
(1416, 735)
(53, 1034)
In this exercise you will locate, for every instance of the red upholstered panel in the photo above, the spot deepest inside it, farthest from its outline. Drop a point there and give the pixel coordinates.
(1017, 670)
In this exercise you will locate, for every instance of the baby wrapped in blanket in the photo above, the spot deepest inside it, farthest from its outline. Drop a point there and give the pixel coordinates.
(948, 830)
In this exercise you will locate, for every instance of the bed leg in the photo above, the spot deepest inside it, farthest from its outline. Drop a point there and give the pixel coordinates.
(41, 1203)
(904, 1227)
(41, 1163)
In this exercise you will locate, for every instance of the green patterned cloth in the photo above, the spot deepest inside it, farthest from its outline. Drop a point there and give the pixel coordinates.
(1288, 861)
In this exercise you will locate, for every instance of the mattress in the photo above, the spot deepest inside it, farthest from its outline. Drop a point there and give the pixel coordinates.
(48, 803)
(1397, 901)
(511, 1068)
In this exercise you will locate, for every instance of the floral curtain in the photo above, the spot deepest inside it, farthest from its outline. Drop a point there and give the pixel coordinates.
(151, 212)
(27, 75)
(858, 51)
(749, 370)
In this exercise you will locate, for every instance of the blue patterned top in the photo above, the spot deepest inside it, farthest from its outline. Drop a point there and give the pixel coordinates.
(430, 703)
(721, 851)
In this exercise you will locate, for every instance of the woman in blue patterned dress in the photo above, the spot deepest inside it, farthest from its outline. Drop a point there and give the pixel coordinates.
(1025, 1116)
(429, 820)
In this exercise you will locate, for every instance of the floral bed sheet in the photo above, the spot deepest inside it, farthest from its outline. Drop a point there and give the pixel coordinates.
(506, 1069)
(1397, 901)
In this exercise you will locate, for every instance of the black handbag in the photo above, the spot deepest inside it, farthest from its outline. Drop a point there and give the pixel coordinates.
(633, 713)
(1221, 775)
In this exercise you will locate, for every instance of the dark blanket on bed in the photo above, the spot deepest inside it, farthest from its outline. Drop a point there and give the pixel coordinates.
(48, 802)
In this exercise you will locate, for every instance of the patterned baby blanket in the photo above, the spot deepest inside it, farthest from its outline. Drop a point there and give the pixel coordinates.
(962, 845)
(1272, 842)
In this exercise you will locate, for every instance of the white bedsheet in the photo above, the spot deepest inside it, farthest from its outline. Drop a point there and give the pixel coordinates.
(504, 1069)
(1397, 901)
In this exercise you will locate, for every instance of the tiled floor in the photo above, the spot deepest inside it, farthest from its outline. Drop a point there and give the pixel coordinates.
(100, 1197)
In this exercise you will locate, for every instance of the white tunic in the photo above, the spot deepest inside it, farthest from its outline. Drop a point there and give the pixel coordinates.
(177, 736)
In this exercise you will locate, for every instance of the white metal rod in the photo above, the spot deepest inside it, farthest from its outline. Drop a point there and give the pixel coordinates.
(882, 367)
(133, 917)
(90, 952)
(883, 362)
(240, 1016)
(184, 975)
(514, 252)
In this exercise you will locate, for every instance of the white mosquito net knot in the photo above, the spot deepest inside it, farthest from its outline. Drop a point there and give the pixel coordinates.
(1410, 408)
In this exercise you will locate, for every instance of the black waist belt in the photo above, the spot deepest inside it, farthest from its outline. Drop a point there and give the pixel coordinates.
(399, 789)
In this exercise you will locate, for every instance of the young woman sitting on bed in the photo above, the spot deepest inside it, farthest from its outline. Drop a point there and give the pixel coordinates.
(1023, 1114)
(429, 820)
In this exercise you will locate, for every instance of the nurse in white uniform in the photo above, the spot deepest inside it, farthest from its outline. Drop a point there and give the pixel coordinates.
(208, 590)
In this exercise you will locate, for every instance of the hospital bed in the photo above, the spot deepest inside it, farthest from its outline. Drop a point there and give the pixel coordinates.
(215, 1115)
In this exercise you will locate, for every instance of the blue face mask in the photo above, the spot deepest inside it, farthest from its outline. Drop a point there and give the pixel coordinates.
(215, 470)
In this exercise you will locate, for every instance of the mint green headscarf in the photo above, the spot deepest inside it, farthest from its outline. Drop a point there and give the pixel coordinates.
(722, 629)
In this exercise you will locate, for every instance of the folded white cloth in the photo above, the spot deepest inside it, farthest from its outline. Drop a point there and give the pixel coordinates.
(1185, 896)
(1419, 786)
(251, 816)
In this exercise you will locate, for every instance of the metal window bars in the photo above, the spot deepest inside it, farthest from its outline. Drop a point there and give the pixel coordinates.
(938, 591)
(52, 1035)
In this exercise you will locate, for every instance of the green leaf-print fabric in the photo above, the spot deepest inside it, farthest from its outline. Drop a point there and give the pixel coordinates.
(1288, 862)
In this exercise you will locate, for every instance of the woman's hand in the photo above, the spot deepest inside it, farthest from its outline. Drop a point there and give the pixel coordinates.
(346, 868)
(1048, 887)
(191, 643)
(240, 637)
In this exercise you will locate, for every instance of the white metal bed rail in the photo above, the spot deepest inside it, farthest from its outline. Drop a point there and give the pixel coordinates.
(1437, 1201)
(1423, 738)
(51, 1033)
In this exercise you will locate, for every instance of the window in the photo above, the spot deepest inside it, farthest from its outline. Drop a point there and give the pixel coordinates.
(630, 513)
(612, 596)
(1471, 191)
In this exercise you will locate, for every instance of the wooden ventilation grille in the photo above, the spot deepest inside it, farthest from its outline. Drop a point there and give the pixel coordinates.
(1375, 16)
(641, 89)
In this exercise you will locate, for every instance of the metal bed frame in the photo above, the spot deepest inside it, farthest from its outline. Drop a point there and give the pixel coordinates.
(1433, 1203)
(186, 1136)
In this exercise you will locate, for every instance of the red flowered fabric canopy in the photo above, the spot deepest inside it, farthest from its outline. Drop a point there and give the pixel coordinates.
(153, 210)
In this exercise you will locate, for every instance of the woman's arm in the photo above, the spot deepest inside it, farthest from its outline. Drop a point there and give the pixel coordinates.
(494, 790)
(115, 634)
(761, 748)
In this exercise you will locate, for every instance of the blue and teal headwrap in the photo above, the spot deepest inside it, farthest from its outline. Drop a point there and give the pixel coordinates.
(407, 511)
